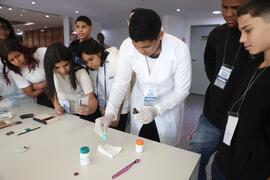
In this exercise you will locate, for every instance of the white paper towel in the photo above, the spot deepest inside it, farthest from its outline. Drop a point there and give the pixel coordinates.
(109, 150)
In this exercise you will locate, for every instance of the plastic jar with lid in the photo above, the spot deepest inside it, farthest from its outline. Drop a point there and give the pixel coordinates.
(139, 145)
(85, 155)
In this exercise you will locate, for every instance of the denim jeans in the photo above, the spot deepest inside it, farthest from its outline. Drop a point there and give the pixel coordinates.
(216, 173)
(204, 142)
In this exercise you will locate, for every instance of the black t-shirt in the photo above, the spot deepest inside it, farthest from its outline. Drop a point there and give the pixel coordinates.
(248, 155)
(74, 47)
(217, 100)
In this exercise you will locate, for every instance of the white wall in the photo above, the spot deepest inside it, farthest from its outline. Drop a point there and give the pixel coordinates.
(211, 20)
(115, 37)
(175, 25)
(181, 26)
(97, 28)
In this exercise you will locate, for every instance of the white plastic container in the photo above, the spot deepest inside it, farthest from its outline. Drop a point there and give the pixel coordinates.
(85, 156)
(139, 145)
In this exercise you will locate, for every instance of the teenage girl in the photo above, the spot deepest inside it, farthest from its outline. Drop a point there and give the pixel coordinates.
(25, 66)
(69, 85)
(103, 64)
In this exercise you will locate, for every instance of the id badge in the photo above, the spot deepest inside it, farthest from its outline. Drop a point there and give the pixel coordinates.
(150, 96)
(101, 100)
(66, 105)
(223, 77)
(230, 128)
(102, 107)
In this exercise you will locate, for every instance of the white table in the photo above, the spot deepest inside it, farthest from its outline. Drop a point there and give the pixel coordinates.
(54, 153)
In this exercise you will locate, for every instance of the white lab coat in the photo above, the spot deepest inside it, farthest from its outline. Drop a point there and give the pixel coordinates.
(111, 64)
(171, 75)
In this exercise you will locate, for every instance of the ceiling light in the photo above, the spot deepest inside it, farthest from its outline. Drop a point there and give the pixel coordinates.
(10, 9)
(216, 12)
(19, 33)
(47, 16)
(21, 15)
(45, 27)
(18, 30)
(1, 7)
(76, 12)
(33, 2)
(42, 30)
(28, 24)
(178, 10)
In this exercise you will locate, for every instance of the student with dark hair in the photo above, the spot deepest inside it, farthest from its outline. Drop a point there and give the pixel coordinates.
(103, 65)
(244, 152)
(69, 85)
(83, 28)
(161, 63)
(101, 40)
(25, 66)
(6, 30)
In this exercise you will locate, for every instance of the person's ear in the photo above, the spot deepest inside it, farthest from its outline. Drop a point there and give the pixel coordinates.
(161, 34)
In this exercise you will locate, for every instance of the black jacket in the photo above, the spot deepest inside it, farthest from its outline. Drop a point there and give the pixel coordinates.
(217, 101)
(248, 156)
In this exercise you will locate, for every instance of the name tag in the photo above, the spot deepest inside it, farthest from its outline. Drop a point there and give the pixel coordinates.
(230, 129)
(101, 100)
(223, 77)
(150, 96)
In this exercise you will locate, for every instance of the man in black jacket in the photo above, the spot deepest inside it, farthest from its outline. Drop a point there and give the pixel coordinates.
(224, 58)
(244, 151)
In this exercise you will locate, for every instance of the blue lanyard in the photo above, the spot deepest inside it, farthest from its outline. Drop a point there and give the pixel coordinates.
(105, 86)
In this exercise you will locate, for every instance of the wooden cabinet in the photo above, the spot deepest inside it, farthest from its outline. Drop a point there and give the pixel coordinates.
(43, 39)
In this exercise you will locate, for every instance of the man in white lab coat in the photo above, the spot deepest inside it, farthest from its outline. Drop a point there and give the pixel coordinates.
(161, 63)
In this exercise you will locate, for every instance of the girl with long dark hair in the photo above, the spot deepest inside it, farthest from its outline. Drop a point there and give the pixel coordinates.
(6, 32)
(25, 66)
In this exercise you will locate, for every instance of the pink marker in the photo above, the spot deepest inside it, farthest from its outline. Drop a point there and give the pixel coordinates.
(125, 168)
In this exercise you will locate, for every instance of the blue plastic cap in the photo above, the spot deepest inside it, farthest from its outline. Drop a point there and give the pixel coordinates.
(84, 150)
(104, 137)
